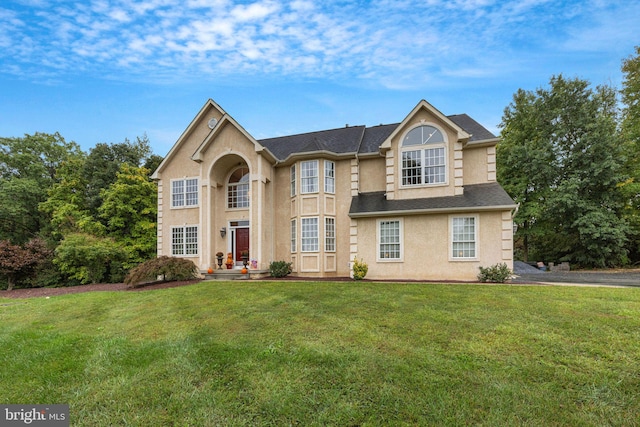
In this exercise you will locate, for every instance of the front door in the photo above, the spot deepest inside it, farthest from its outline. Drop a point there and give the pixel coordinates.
(242, 242)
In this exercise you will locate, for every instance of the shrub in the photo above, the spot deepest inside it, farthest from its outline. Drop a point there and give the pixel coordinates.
(498, 273)
(280, 268)
(21, 262)
(88, 258)
(360, 269)
(168, 268)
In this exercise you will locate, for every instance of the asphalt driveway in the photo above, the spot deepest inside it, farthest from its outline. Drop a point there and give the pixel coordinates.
(527, 274)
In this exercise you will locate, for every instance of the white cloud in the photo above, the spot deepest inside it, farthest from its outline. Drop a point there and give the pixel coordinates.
(399, 43)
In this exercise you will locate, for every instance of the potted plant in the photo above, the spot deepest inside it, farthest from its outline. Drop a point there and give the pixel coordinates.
(219, 256)
(245, 258)
(229, 263)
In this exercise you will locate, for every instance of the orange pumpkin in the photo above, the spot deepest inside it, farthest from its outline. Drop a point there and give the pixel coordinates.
(210, 270)
(244, 271)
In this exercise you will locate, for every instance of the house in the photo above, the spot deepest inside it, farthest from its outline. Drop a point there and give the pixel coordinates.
(414, 200)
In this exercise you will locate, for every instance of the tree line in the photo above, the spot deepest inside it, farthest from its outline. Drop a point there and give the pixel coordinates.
(68, 217)
(570, 156)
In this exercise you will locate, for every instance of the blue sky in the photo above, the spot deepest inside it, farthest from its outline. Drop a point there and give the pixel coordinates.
(106, 70)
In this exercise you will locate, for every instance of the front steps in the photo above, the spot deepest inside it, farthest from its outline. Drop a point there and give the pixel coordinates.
(235, 274)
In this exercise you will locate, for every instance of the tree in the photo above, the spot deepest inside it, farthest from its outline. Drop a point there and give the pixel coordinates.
(67, 205)
(129, 210)
(525, 161)
(18, 262)
(90, 259)
(631, 143)
(27, 170)
(103, 163)
(561, 159)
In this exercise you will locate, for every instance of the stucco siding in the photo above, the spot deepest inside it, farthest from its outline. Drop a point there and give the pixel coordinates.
(426, 247)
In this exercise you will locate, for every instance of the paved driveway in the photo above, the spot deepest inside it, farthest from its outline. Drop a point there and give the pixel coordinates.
(601, 278)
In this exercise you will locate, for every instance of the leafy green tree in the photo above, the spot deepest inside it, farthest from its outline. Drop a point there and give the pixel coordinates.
(631, 143)
(129, 210)
(67, 205)
(561, 159)
(91, 259)
(525, 160)
(103, 163)
(27, 170)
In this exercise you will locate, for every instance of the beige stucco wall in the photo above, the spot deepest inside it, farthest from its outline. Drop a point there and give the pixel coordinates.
(320, 205)
(372, 174)
(426, 243)
(479, 165)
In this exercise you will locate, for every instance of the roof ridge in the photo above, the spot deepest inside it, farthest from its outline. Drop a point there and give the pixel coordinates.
(312, 132)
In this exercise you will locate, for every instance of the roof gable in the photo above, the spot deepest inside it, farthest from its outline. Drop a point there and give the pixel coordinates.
(227, 120)
(210, 108)
(463, 136)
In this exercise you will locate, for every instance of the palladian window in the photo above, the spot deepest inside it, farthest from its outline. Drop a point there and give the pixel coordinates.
(423, 157)
(238, 189)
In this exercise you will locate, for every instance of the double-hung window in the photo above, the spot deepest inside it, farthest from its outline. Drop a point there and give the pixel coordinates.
(293, 180)
(463, 237)
(184, 240)
(329, 234)
(294, 235)
(184, 192)
(309, 176)
(424, 157)
(329, 177)
(389, 240)
(309, 237)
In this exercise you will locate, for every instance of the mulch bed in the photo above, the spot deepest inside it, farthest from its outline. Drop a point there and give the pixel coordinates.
(49, 292)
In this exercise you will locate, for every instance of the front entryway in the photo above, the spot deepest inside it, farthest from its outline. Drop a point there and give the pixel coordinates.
(240, 237)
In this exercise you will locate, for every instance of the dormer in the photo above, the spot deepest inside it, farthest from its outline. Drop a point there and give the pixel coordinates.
(424, 155)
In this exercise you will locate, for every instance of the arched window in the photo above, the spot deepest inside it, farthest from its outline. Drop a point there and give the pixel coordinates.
(423, 156)
(238, 189)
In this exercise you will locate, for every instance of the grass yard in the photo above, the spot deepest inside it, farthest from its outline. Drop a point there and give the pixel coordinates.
(321, 353)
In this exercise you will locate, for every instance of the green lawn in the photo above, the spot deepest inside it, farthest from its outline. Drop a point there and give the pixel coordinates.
(345, 354)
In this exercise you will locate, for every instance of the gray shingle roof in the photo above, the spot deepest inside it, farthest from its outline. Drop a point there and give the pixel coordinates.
(352, 139)
(476, 197)
(477, 131)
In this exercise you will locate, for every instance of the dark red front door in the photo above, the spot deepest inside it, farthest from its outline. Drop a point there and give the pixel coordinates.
(242, 242)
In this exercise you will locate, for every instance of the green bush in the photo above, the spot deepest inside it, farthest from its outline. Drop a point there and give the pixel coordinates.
(280, 268)
(88, 258)
(498, 273)
(164, 267)
(360, 269)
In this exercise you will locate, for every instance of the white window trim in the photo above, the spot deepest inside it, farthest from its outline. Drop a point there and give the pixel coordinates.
(184, 180)
(400, 231)
(334, 237)
(475, 238)
(422, 149)
(184, 243)
(237, 184)
(294, 235)
(292, 177)
(332, 178)
(304, 178)
(302, 249)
